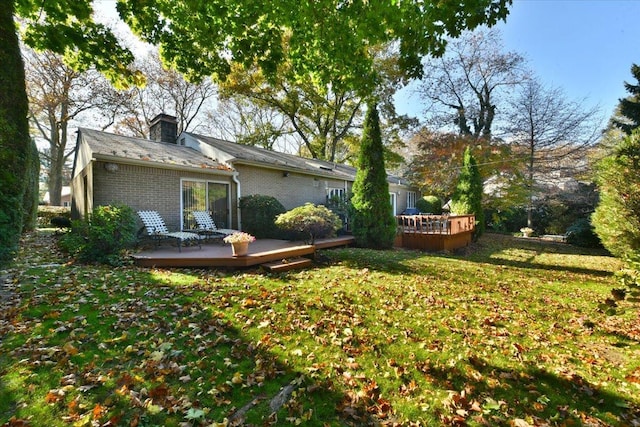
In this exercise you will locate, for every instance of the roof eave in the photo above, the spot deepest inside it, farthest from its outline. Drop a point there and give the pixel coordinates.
(148, 163)
(287, 168)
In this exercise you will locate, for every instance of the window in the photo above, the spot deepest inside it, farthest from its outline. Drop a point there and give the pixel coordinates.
(213, 197)
(411, 199)
(336, 193)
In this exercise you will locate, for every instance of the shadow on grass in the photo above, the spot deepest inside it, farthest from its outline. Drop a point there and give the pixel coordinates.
(122, 347)
(531, 393)
(491, 246)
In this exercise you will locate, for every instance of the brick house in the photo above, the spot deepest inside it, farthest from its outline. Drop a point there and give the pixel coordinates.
(175, 175)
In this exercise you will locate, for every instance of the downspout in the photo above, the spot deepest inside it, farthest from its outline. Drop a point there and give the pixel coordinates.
(238, 195)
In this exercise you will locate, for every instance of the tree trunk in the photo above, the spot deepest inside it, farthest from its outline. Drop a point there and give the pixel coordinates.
(14, 135)
(57, 146)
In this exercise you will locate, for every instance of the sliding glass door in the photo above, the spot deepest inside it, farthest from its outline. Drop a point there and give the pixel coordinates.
(213, 197)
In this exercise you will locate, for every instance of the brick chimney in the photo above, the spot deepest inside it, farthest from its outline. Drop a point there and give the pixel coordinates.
(164, 128)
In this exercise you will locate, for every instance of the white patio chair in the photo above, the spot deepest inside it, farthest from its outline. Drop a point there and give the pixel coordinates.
(206, 224)
(157, 230)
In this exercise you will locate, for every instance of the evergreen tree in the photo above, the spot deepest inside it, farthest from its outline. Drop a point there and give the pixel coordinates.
(14, 137)
(467, 197)
(628, 115)
(374, 225)
(617, 218)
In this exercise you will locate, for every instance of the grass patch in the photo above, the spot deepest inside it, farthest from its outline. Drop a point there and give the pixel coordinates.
(508, 333)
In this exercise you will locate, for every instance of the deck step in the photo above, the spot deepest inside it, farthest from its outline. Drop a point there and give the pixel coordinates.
(287, 264)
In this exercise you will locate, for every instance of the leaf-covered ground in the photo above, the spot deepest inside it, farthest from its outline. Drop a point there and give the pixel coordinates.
(508, 334)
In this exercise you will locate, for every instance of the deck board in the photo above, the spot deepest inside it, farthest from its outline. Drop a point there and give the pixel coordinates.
(261, 251)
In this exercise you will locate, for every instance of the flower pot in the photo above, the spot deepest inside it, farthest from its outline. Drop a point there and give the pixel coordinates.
(240, 248)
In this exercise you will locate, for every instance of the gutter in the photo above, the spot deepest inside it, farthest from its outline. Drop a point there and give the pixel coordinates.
(235, 179)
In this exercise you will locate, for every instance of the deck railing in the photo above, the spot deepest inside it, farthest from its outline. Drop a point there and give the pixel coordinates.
(435, 224)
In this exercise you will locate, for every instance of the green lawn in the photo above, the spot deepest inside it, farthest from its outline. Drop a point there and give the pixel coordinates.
(507, 334)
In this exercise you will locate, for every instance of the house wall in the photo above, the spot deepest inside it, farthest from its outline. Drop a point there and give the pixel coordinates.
(148, 188)
(293, 190)
(82, 192)
(401, 196)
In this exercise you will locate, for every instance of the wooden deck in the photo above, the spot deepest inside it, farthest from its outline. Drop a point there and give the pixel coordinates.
(434, 232)
(262, 251)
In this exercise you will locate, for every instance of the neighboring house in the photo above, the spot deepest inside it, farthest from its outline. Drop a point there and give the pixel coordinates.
(65, 197)
(176, 175)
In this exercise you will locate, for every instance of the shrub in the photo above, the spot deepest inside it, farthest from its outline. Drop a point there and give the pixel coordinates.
(46, 214)
(103, 238)
(581, 233)
(259, 214)
(429, 204)
(617, 217)
(311, 221)
(373, 225)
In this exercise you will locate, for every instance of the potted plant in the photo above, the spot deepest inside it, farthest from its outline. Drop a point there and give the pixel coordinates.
(239, 242)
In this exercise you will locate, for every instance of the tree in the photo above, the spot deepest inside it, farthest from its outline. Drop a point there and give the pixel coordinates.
(328, 42)
(58, 95)
(15, 142)
(628, 115)
(617, 217)
(466, 87)
(324, 121)
(240, 120)
(374, 225)
(467, 197)
(165, 91)
(64, 26)
(434, 163)
(551, 135)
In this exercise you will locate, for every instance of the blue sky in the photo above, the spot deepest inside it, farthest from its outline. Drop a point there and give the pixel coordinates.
(584, 47)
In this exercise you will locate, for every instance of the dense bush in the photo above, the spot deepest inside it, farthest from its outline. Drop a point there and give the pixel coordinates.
(581, 233)
(259, 215)
(429, 204)
(311, 221)
(617, 217)
(103, 237)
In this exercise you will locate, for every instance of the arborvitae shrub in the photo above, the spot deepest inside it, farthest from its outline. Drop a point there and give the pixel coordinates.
(467, 197)
(374, 225)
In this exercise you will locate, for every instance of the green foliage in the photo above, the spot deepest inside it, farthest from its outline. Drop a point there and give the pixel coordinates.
(259, 214)
(311, 221)
(429, 204)
(15, 142)
(373, 223)
(628, 115)
(467, 197)
(104, 237)
(617, 217)
(581, 233)
(328, 42)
